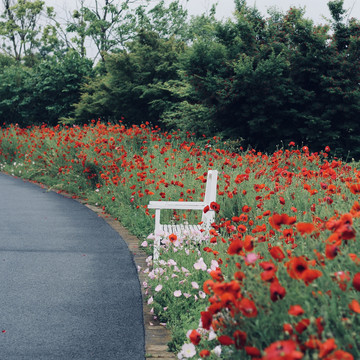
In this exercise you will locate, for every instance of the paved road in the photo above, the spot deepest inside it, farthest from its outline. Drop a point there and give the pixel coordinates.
(68, 284)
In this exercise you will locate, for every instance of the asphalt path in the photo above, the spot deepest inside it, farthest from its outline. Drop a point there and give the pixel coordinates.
(68, 284)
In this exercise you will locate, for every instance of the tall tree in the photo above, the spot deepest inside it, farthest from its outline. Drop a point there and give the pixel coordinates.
(132, 87)
(103, 23)
(20, 29)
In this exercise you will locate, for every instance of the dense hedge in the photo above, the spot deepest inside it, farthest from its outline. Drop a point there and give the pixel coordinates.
(254, 79)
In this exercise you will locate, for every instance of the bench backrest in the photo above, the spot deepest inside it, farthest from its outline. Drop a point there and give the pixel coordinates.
(210, 196)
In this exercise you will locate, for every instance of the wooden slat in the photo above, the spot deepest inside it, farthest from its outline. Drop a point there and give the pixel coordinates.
(177, 205)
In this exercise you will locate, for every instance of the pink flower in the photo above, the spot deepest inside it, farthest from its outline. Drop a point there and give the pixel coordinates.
(158, 288)
(195, 285)
(251, 258)
(177, 293)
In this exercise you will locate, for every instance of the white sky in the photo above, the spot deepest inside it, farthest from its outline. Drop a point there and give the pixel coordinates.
(315, 9)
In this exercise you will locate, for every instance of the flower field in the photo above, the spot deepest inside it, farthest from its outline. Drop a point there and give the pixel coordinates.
(278, 275)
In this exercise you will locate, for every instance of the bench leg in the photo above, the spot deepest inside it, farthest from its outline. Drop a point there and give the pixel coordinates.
(156, 252)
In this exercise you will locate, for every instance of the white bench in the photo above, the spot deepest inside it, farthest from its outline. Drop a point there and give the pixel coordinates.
(207, 218)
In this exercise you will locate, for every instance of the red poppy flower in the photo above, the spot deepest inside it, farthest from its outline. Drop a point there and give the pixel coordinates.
(242, 228)
(204, 353)
(252, 351)
(267, 265)
(249, 243)
(243, 218)
(277, 220)
(232, 287)
(206, 319)
(355, 210)
(296, 310)
(354, 258)
(354, 188)
(235, 247)
(340, 355)
(309, 275)
(296, 267)
(172, 237)
(288, 329)
(268, 275)
(302, 325)
(208, 284)
(240, 339)
(225, 340)
(215, 206)
(331, 250)
(313, 342)
(356, 281)
(285, 349)
(277, 253)
(195, 337)
(248, 308)
(354, 306)
(277, 292)
(327, 347)
(239, 275)
(320, 325)
(305, 228)
(217, 275)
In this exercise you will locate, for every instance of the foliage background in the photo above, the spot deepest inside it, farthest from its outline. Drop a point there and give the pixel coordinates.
(257, 81)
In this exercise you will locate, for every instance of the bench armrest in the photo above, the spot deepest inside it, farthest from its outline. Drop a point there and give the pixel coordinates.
(177, 205)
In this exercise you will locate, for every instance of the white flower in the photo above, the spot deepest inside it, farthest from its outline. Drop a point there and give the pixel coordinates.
(217, 350)
(212, 335)
(171, 262)
(214, 265)
(202, 294)
(177, 293)
(188, 350)
(195, 285)
(200, 265)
